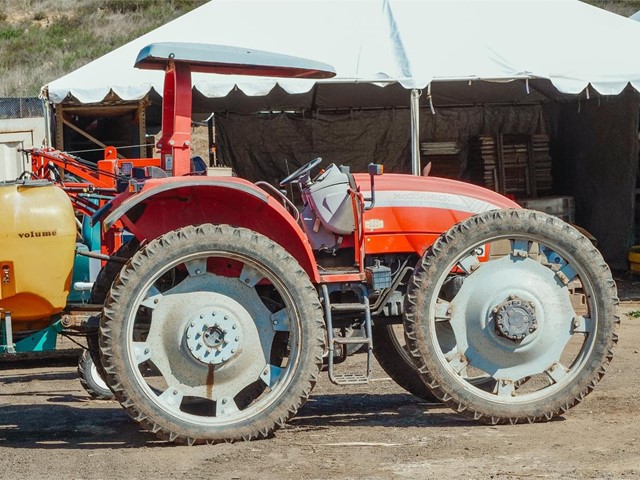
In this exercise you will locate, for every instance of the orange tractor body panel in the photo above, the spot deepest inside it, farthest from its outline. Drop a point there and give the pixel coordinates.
(410, 212)
(165, 204)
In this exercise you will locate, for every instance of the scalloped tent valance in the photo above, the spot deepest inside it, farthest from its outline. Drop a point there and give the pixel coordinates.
(556, 48)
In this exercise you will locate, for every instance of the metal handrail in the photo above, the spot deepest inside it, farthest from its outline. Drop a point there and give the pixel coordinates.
(287, 203)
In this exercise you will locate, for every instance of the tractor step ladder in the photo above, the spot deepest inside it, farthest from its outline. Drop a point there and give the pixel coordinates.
(348, 378)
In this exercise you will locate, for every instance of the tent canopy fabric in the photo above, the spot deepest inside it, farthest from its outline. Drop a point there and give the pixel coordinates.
(547, 48)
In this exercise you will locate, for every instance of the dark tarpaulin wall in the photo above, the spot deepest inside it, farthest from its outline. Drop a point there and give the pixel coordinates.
(595, 152)
(267, 147)
(259, 147)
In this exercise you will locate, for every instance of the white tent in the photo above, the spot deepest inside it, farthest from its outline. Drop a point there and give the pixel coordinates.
(570, 43)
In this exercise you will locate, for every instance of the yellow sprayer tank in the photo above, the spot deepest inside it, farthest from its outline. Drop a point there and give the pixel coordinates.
(37, 246)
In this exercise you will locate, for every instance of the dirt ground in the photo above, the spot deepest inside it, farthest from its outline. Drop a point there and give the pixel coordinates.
(49, 428)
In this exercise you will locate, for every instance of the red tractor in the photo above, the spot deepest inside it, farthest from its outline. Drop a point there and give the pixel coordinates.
(232, 298)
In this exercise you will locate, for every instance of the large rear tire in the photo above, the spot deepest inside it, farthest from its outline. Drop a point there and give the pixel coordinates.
(210, 334)
(538, 321)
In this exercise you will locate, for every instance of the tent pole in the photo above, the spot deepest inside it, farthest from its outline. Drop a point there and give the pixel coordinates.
(415, 132)
(46, 110)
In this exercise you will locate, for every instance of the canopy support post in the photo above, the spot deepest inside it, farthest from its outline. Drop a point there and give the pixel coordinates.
(415, 131)
(175, 143)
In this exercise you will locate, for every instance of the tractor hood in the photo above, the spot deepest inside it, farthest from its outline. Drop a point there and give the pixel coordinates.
(410, 212)
(395, 190)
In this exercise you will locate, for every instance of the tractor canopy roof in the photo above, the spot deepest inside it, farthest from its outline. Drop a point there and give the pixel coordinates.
(228, 60)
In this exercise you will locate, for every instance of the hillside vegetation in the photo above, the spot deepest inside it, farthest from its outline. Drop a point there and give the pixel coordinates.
(41, 40)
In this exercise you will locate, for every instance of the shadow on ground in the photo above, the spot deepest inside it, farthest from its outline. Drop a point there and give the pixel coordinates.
(628, 287)
(55, 426)
(375, 410)
(96, 425)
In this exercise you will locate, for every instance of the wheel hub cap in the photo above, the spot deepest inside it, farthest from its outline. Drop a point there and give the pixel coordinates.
(473, 321)
(515, 318)
(213, 336)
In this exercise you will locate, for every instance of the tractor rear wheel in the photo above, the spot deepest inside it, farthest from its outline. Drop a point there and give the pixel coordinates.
(534, 317)
(210, 334)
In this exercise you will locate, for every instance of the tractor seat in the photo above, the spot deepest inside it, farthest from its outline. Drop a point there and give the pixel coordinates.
(198, 166)
(329, 199)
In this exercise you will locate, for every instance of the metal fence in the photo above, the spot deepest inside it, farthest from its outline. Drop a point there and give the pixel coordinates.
(21, 107)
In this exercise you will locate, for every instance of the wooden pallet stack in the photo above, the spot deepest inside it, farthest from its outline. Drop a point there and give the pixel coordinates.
(542, 162)
(445, 159)
(512, 164)
(483, 163)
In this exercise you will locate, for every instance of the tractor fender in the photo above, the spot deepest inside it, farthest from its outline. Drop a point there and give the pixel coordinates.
(166, 204)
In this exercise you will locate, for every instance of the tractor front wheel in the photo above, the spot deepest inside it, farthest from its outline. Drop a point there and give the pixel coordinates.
(531, 328)
(210, 334)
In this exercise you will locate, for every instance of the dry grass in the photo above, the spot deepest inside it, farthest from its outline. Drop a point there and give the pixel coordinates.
(626, 8)
(41, 40)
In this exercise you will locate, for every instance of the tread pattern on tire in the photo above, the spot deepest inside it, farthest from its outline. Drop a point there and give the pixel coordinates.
(310, 313)
(430, 266)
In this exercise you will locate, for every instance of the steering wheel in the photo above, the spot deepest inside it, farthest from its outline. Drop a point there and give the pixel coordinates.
(301, 171)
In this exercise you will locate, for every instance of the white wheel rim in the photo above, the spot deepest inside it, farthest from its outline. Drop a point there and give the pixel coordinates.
(479, 345)
(186, 376)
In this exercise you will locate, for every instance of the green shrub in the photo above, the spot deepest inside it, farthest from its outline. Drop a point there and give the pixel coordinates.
(7, 32)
